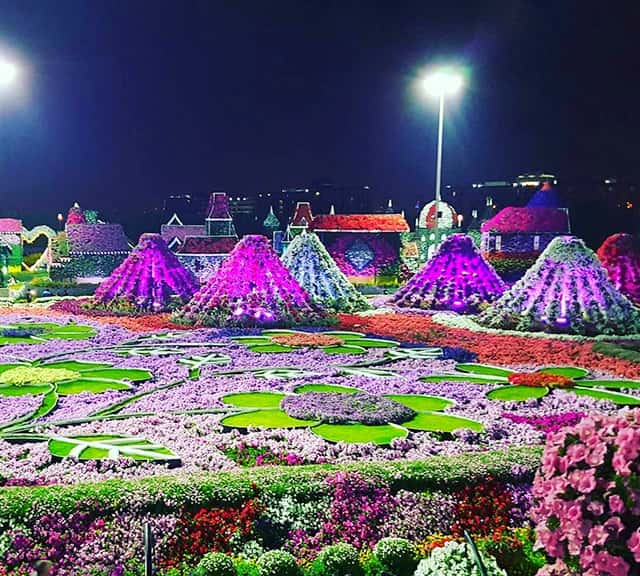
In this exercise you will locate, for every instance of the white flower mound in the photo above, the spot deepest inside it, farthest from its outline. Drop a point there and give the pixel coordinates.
(456, 559)
(316, 271)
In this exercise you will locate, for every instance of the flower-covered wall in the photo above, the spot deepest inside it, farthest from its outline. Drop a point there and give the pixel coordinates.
(202, 266)
(365, 258)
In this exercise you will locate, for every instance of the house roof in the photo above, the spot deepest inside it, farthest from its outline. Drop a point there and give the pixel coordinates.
(207, 245)
(10, 226)
(302, 215)
(516, 219)
(170, 232)
(360, 223)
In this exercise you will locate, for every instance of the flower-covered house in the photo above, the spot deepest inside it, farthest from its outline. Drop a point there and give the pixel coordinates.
(366, 247)
(88, 250)
(514, 238)
(202, 247)
(11, 239)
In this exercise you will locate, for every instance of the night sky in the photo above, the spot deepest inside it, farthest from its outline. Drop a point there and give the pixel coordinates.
(130, 101)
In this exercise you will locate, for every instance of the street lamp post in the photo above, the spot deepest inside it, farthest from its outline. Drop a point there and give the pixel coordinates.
(439, 84)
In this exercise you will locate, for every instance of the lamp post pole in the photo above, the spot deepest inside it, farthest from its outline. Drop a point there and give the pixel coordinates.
(439, 161)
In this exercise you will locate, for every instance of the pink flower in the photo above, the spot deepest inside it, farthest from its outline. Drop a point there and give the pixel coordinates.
(598, 535)
(596, 508)
(634, 545)
(583, 480)
(616, 504)
(576, 454)
(611, 565)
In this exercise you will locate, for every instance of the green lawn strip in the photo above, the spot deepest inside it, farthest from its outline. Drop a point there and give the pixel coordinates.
(381, 434)
(344, 349)
(572, 372)
(461, 378)
(614, 384)
(266, 418)
(270, 348)
(93, 385)
(484, 370)
(48, 403)
(439, 422)
(306, 483)
(325, 388)
(421, 402)
(517, 393)
(254, 399)
(615, 397)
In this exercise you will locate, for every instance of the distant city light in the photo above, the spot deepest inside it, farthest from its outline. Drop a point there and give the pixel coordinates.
(442, 82)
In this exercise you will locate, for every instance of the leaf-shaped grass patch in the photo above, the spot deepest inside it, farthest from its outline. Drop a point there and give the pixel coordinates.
(422, 403)
(359, 433)
(345, 349)
(462, 378)
(93, 385)
(611, 384)
(615, 397)
(265, 419)
(572, 372)
(325, 388)
(517, 393)
(484, 370)
(111, 447)
(131, 374)
(254, 399)
(438, 422)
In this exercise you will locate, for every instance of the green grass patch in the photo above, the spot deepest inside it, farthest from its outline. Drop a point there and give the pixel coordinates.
(615, 397)
(265, 419)
(359, 433)
(517, 393)
(484, 370)
(438, 422)
(422, 403)
(325, 388)
(254, 399)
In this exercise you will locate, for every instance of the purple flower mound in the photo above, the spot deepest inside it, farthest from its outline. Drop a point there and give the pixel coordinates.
(456, 278)
(342, 408)
(149, 278)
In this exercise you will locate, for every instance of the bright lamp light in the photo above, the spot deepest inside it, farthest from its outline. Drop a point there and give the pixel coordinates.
(442, 82)
(8, 72)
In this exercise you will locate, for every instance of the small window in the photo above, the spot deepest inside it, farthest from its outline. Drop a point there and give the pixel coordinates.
(498, 243)
(536, 242)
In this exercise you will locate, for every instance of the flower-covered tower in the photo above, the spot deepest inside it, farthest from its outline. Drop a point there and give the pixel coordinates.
(150, 277)
(566, 290)
(75, 215)
(455, 278)
(251, 288)
(271, 223)
(312, 266)
(620, 255)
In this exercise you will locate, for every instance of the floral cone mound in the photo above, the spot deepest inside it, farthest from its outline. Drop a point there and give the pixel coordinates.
(149, 277)
(620, 255)
(312, 266)
(566, 290)
(455, 278)
(251, 288)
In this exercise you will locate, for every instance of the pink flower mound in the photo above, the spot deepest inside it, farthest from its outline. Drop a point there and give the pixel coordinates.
(456, 278)
(620, 255)
(149, 277)
(587, 496)
(251, 288)
(528, 219)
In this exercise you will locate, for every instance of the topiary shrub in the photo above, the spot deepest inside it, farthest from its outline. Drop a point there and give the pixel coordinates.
(278, 563)
(456, 559)
(397, 555)
(338, 560)
(215, 564)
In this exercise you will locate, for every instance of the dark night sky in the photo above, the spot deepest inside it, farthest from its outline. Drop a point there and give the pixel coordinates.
(130, 101)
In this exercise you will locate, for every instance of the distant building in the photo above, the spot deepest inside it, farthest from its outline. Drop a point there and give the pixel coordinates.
(203, 247)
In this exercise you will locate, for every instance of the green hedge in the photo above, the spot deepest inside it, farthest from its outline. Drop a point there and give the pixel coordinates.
(162, 494)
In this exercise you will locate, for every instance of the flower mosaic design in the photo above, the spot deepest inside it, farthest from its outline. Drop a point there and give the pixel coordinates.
(38, 332)
(331, 342)
(66, 377)
(520, 386)
(345, 414)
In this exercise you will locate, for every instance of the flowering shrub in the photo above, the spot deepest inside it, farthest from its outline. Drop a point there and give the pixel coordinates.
(397, 555)
(278, 563)
(215, 564)
(337, 560)
(620, 256)
(456, 559)
(587, 495)
(482, 509)
(211, 530)
(540, 380)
